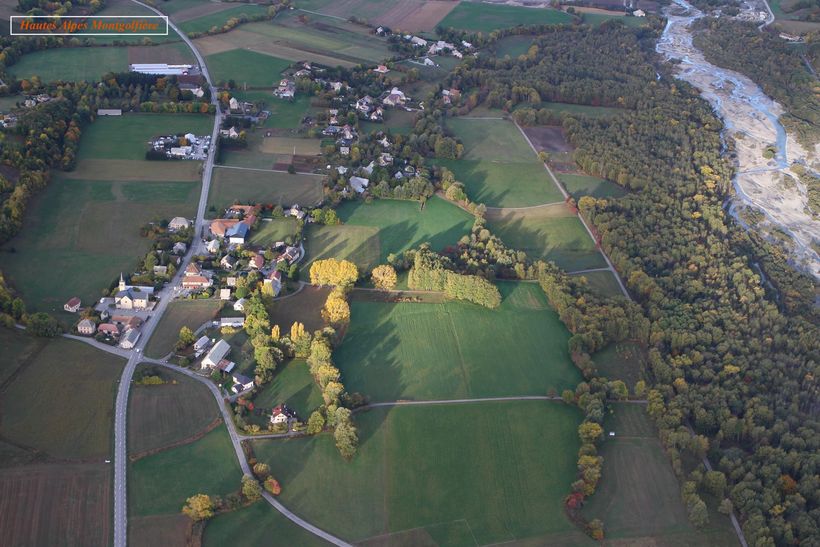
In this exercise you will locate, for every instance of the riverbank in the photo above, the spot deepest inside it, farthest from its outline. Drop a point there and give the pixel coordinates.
(752, 121)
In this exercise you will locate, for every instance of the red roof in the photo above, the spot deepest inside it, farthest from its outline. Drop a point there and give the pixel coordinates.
(195, 281)
(108, 327)
(75, 301)
(220, 226)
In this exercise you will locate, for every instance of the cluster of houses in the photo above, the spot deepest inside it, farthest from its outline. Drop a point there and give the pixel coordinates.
(186, 147)
(360, 178)
(9, 120)
(123, 329)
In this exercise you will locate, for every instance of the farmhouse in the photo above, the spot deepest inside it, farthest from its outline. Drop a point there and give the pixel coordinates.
(193, 269)
(72, 305)
(220, 226)
(216, 354)
(195, 282)
(237, 233)
(274, 279)
(129, 340)
(239, 305)
(212, 246)
(286, 89)
(257, 262)
(227, 262)
(202, 343)
(224, 294)
(110, 329)
(231, 133)
(241, 383)
(281, 414)
(160, 69)
(381, 69)
(394, 98)
(418, 42)
(87, 327)
(179, 223)
(296, 212)
(290, 255)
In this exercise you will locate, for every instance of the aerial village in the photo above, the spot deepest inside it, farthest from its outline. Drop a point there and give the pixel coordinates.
(224, 262)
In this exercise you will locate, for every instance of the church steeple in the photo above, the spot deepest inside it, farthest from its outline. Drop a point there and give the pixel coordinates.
(122, 282)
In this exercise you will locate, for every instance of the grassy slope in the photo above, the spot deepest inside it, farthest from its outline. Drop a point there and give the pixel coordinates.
(623, 361)
(164, 414)
(161, 483)
(639, 496)
(189, 313)
(585, 185)
(603, 282)
(372, 231)
(498, 166)
(491, 479)
(518, 349)
(293, 385)
(479, 17)
(554, 233)
(246, 67)
(273, 231)
(39, 411)
(218, 19)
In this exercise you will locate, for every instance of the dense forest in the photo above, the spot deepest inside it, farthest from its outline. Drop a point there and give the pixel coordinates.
(727, 356)
(769, 61)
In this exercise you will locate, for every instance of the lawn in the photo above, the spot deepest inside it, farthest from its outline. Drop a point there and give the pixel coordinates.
(60, 252)
(498, 166)
(126, 137)
(550, 233)
(625, 361)
(373, 231)
(603, 282)
(246, 67)
(284, 114)
(272, 231)
(481, 17)
(39, 411)
(161, 483)
(468, 474)
(258, 525)
(268, 187)
(584, 185)
(159, 416)
(595, 19)
(218, 19)
(71, 64)
(638, 497)
(293, 385)
(178, 314)
(518, 349)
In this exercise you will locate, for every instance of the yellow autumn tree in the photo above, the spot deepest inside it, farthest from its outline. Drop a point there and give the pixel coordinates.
(199, 507)
(336, 309)
(333, 272)
(384, 277)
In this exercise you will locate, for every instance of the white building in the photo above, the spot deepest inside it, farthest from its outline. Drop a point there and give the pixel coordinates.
(160, 69)
(216, 354)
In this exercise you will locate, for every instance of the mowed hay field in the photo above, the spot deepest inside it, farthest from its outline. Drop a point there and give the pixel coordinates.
(268, 187)
(552, 233)
(584, 185)
(518, 349)
(71, 64)
(272, 231)
(160, 483)
(79, 235)
(373, 231)
(56, 504)
(162, 415)
(498, 166)
(247, 67)
(481, 17)
(299, 36)
(178, 314)
(469, 474)
(622, 361)
(638, 497)
(39, 411)
(258, 525)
